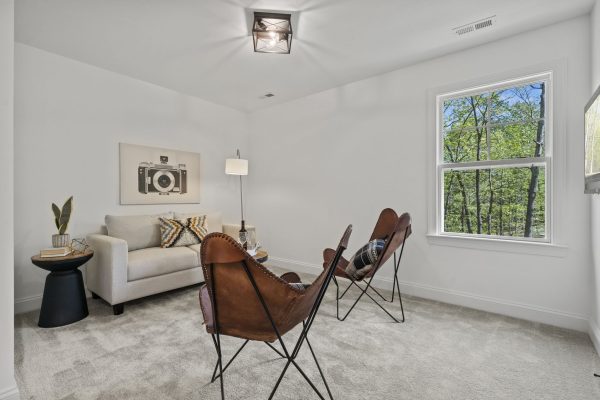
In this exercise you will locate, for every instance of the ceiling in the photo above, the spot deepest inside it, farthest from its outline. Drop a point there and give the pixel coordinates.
(203, 47)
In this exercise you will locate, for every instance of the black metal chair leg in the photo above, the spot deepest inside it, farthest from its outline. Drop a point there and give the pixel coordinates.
(319, 367)
(365, 292)
(395, 286)
(312, 385)
(337, 298)
(400, 298)
(275, 350)
(230, 361)
(382, 307)
(212, 379)
(379, 294)
(287, 365)
(220, 367)
(343, 294)
(353, 305)
(395, 277)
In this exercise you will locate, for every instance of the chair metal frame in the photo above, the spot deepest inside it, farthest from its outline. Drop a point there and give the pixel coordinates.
(306, 325)
(364, 291)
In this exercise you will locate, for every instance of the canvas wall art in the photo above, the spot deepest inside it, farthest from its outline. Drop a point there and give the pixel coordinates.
(152, 175)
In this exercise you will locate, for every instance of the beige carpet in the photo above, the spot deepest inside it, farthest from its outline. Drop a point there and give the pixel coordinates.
(159, 349)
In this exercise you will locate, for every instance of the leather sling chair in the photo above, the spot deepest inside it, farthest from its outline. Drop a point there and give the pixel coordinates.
(242, 298)
(394, 230)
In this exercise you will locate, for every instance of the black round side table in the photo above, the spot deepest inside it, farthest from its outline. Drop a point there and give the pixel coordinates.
(64, 299)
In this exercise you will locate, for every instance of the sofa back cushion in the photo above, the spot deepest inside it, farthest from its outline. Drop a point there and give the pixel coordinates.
(139, 231)
(214, 220)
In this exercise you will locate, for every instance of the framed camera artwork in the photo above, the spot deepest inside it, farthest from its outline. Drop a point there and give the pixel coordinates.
(151, 175)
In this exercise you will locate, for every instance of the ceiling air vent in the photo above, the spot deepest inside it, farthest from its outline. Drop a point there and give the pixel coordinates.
(475, 26)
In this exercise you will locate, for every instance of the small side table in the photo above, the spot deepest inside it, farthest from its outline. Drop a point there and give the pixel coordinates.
(261, 256)
(64, 299)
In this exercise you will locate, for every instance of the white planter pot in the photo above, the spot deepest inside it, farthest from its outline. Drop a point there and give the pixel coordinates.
(61, 240)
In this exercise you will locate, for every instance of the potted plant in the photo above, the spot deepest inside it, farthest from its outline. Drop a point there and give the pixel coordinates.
(62, 217)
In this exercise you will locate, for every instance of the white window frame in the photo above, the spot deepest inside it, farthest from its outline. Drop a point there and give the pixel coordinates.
(547, 160)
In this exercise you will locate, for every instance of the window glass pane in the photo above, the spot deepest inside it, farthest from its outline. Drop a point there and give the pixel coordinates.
(464, 129)
(520, 103)
(465, 112)
(592, 138)
(517, 141)
(463, 145)
(498, 201)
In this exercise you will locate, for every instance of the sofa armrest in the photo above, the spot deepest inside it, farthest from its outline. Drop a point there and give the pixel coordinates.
(106, 272)
(234, 229)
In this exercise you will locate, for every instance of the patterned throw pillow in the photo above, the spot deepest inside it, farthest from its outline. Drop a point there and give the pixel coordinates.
(361, 263)
(182, 232)
(299, 285)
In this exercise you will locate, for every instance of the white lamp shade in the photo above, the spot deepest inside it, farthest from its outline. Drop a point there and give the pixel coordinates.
(236, 166)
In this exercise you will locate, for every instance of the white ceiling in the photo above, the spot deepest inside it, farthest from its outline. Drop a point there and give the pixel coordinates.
(202, 47)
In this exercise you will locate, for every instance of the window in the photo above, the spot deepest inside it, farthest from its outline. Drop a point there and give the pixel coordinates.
(494, 160)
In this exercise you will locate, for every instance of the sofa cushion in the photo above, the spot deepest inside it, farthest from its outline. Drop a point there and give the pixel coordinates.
(196, 249)
(156, 261)
(182, 232)
(139, 231)
(214, 220)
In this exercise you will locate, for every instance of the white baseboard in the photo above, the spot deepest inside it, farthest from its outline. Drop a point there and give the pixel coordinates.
(27, 304)
(10, 393)
(594, 332)
(513, 309)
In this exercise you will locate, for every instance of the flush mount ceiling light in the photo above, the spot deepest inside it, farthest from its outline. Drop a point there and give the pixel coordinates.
(272, 33)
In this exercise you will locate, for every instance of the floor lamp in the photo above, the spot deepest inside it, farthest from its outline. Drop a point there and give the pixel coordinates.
(239, 166)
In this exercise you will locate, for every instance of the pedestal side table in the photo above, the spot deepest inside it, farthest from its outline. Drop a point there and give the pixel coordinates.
(64, 299)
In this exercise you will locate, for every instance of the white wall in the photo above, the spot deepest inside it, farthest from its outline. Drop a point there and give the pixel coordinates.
(595, 218)
(69, 119)
(340, 156)
(8, 388)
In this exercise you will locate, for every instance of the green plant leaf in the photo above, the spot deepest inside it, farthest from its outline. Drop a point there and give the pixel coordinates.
(65, 215)
(62, 229)
(56, 212)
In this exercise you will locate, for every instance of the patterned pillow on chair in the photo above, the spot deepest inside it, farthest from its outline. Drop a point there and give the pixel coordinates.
(361, 263)
(182, 232)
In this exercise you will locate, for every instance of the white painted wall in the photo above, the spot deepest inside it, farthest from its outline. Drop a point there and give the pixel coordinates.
(595, 203)
(342, 155)
(8, 387)
(69, 120)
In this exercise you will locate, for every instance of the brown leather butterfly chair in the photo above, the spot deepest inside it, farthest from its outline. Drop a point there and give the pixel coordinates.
(394, 230)
(242, 298)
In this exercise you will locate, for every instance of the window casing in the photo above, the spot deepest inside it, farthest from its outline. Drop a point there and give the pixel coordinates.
(493, 176)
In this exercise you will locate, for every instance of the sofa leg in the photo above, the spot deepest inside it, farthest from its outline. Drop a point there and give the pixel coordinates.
(118, 308)
(95, 296)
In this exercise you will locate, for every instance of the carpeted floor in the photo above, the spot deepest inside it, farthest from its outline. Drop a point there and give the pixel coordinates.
(159, 349)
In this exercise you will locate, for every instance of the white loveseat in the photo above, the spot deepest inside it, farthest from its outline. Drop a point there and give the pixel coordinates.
(129, 263)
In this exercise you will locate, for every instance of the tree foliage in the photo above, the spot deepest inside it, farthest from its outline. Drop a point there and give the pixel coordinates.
(507, 124)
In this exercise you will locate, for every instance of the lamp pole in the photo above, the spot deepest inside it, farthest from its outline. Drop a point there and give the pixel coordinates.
(238, 166)
(241, 192)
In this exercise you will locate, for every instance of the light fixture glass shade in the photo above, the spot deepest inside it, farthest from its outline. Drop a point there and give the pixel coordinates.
(236, 166)
(272, 33)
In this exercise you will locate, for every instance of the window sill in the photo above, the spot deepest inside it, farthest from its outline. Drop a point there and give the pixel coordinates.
(499, 245)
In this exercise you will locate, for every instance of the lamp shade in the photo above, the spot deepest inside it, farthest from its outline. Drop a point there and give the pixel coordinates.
(236, 166)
